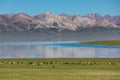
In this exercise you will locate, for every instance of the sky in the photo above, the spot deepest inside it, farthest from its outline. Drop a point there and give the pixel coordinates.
(71, 7)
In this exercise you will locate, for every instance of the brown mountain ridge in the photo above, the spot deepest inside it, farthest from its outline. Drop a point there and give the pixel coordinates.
(49, 22)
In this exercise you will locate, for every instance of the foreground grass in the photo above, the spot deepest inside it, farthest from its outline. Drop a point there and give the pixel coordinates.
(59, 69)
(110, 43)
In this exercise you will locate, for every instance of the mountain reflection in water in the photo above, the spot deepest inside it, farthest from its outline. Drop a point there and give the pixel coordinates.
(57, 50)
(56, 45)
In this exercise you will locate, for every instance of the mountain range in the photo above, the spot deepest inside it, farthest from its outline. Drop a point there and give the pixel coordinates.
(49, 22)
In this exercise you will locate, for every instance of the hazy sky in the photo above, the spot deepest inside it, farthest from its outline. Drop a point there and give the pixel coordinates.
(81, 7)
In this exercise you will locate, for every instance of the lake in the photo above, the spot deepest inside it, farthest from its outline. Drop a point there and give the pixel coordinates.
(59, 45)
(64, 49)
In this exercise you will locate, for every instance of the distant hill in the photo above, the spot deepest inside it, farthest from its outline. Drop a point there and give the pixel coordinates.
(49, 22)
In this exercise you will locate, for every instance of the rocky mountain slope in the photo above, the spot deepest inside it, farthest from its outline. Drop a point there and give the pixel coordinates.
(49, 22)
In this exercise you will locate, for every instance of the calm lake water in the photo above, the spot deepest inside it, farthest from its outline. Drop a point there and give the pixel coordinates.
(56, 45)
(67, 49)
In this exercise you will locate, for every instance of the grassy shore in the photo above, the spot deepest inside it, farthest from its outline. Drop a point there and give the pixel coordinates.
(60, 69)
(109, 43)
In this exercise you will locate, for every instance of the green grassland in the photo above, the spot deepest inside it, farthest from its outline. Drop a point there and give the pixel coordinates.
(109, 43)
(60, 69)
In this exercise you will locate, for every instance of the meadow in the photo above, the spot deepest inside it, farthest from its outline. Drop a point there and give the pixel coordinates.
(107, 42)
(60, 69)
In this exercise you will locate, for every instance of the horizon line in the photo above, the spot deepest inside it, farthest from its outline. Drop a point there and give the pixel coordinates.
(56, 13)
